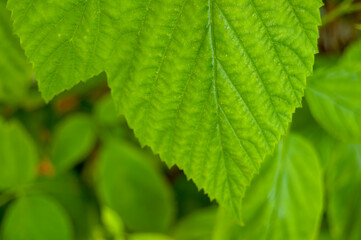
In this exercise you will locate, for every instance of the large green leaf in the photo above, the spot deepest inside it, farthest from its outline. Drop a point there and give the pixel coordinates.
(18, 156)
(285, 201)
(334, 98)
(130, 185)
(210, 85)
(36, 218)
(344, 193)
(67, 41)
(15, 72)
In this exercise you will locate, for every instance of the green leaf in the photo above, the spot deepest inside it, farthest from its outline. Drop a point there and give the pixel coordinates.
(212, 85)
(18, 156)
(15, 72)
(75, 199)
(304, 124)
(324, 235)
(352, 55)
(36, 218)
(105, 112)
(285, 201)
(324, 144)
(325, 60)
(333, 95)
(113, 223)
(197, 226)
(344, 193)
(148, 236)
(220, 78)
(73, 140)
(67, 41)
(129, 184)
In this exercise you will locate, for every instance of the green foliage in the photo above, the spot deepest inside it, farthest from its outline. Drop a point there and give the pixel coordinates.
(77, 129)
(323, 143)
(285, 201)
(344, 188)
(222, 109)
(36, 218)
(73, 197)
(352, 55)
(113, 223)
(149, 237)
(18, 156)
(15, 72)
(105, 112)
(333, 94)
(197, 226)
(334, 98)
(172, 69)
(131, 185)
(211, 87)
(75, 36)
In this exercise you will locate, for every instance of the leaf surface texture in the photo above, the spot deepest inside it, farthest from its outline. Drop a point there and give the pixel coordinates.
(210, 85)
(67, 41)
(285, 201)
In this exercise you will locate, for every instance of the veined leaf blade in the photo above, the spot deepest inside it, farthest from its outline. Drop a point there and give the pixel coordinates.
(212, 85)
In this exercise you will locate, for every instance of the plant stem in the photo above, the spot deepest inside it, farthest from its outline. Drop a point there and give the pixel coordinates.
(344, 8)
(6, 197)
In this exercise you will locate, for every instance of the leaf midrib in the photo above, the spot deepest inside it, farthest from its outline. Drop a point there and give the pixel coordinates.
(219, 109)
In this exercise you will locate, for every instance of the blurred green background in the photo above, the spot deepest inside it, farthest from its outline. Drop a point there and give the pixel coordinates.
(72, 169)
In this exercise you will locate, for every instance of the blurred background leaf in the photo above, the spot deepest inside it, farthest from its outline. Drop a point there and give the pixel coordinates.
(197, 226)
(18, 156)
(145, 236)
(130, 184)
(75, 198)
(344, 191)
(15, 71)
(36, 218)
(73, 140)
(334, 98)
